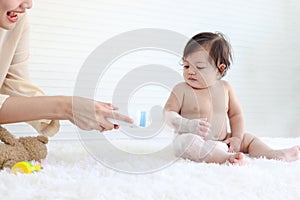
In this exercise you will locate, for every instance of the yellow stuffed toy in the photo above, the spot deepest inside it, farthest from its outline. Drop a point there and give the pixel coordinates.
(14, 150)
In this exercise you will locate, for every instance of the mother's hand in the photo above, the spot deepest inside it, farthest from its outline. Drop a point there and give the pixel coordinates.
(88, 114)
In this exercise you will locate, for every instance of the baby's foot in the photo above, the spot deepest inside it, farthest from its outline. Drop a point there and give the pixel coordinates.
(237, 159)
(288, 155)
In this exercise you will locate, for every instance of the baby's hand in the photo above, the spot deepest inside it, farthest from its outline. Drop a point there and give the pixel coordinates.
(199, 127)
(234, 144)
(182, 125)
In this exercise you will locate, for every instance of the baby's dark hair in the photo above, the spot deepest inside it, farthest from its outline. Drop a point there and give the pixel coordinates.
(219, 49)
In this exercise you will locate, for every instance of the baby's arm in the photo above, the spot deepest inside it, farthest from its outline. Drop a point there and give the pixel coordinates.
(236, 120)
(183, 125)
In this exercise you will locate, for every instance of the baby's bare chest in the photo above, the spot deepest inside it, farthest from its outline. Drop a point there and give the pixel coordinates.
(204, 103)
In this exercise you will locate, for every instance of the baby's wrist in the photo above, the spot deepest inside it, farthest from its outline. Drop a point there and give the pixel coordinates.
(191, 126)
(184, 126)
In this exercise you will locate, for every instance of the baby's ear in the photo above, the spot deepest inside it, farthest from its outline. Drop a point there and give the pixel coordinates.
(42, 139)
(222, 69)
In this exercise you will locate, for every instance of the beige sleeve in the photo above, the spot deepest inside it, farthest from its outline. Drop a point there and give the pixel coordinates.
(16, 82)
(3, 97)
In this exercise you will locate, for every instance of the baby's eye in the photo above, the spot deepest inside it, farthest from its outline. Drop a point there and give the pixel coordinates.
(186, 66)
(200, 67)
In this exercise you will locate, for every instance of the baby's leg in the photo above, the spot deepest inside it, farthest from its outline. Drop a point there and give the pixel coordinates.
(256, 148)
(193, 147)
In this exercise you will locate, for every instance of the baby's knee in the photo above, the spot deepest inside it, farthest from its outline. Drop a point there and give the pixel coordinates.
(247, 141)
(248, 138)
(217, 144)
(185, 145)
(248, 135)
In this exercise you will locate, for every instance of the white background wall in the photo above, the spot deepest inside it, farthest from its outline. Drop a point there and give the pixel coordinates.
(264, 36)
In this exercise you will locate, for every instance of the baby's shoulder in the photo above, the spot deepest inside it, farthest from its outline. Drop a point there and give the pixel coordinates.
(226, 85)
(181, 87)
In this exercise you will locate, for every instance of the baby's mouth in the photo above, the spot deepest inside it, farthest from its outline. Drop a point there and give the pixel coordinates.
(12, 16)
(192, 79)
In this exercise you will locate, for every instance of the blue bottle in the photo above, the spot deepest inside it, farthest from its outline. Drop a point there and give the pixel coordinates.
(143, 119)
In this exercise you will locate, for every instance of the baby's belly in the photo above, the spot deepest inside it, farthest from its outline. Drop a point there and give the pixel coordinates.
(218, 128)
(218, 135)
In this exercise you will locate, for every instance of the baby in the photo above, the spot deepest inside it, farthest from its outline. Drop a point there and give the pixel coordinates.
(198, 108)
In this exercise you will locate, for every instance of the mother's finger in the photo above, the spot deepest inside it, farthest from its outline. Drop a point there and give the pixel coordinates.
(101, 129)
(107, 125)
(110, 106)
(118, 116)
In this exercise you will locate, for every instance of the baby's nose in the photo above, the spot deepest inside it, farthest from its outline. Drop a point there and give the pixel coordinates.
(191, 70)
(27, 4)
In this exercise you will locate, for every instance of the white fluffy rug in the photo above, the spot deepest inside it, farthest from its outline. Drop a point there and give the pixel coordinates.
(71, 173)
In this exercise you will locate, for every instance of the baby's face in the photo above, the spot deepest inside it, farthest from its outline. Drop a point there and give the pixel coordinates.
(10, 10)
(198, 72)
